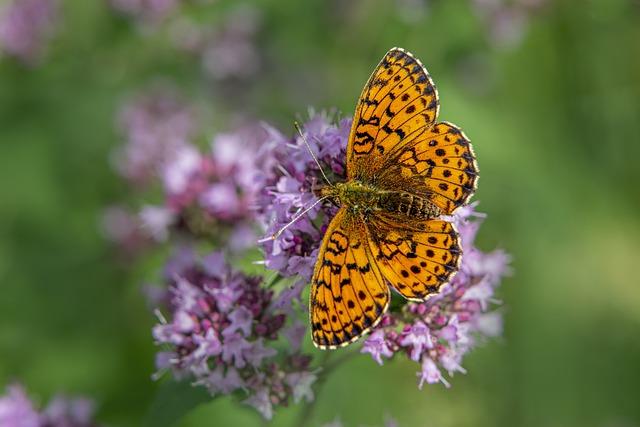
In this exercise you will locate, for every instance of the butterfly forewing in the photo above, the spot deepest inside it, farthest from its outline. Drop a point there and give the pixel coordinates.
(398, 102)
(348, 293)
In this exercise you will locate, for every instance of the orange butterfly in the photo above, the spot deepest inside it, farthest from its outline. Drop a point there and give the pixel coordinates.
(404, 171)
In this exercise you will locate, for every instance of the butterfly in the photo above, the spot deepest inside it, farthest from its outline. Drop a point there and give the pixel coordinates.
(404, 171)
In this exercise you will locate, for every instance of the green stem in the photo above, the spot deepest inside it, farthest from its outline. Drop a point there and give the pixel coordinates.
(272, 281)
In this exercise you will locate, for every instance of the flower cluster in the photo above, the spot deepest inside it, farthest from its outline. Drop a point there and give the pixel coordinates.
(228, 51)
(506, 20)
(435, 333)
(148, 11)
(210, 194)
(16, 410)
(26, 26)
(155, 125)
(207, 193)
(223, 332)
(439, 332)
(290, 177)
(389, 422)
(226, 330)
(123, 228)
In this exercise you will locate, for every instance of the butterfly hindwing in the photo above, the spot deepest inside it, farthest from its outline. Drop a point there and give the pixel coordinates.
(396, 104)
(348, 293)
(439, 165)
(415, 257)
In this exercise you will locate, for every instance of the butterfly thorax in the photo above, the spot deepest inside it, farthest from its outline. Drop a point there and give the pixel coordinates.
(364, 199)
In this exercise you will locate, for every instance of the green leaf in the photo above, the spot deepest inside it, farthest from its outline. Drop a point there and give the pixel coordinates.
(174, 400)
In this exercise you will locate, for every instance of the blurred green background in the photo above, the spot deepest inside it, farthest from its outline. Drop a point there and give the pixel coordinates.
(554, 117)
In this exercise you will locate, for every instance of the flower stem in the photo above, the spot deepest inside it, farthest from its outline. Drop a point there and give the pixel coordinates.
(272, 281)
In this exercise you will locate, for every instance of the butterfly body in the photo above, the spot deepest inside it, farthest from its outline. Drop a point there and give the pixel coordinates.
(366, 199)
(404, 171)
(356, 196)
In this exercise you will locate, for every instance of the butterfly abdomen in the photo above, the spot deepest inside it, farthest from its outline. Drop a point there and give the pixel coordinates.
(408, 204)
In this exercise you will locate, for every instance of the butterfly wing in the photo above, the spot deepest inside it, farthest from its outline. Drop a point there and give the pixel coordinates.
(396, 144)
(398, 102)
(348, 293)
(416, 257)
(438, 165)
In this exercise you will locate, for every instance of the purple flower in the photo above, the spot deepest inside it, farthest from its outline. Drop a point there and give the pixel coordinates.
(451, 362)
(507, 20)
(290, 176)
(234, 348)
(221, 335)
(156, 125)
(222, 200)
(300, 383)
(182, 259)
(211, 194)
(232, 51)
(225, 297)
(156, 220)
(214, 265)
(180, 168)
(377, 346)
(228, 51)
(257, 352)
(288, 295)
(241, 319)
(416, 337)
(63, 411)
(206, 346)
(123, 228)
(388, 422)
(261, 401)
(217, 381)
(118, 224)
(149, 11)
(16, 410)
(26, 26)
(451, 332)
(490, 324)
(430, 373)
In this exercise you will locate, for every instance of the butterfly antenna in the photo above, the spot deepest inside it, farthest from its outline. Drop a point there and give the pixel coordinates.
(297, 126)
(295, 218)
